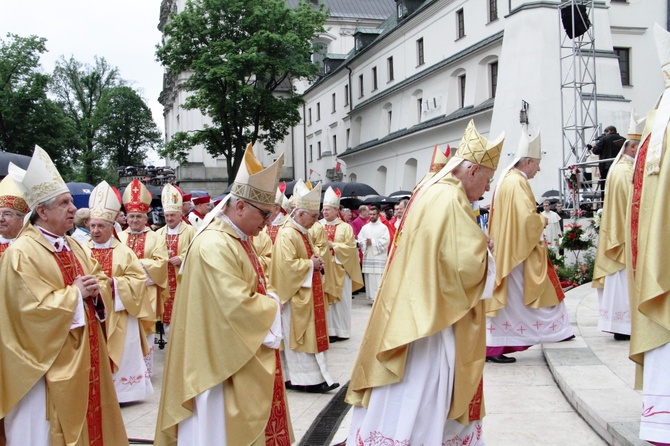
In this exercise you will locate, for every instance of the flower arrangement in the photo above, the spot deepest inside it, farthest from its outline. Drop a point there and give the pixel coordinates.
(575, 238)
(577, 273)
(572, 177)
(597, 219)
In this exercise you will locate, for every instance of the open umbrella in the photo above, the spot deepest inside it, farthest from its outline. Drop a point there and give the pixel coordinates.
(350, 202)
(351, 189)
(5, 158)
(380, 199)
(80, 193)
(401, 193)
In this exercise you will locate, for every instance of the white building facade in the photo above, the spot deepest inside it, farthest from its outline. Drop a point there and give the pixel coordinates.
(391, 92)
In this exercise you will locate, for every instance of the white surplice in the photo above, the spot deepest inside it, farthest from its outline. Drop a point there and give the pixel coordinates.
(614, 314)
(339, 313)
(519, 325)
(414, 410)
(374, 256)
(655, 421)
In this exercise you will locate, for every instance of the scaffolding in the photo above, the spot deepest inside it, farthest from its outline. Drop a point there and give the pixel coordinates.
(579, 106)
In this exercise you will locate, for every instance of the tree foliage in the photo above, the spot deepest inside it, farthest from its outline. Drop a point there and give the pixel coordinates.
(80, 88)
(126, 128)
(27, 116)
(241, 57)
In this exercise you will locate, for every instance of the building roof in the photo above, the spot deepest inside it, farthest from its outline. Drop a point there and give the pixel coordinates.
(363, 9)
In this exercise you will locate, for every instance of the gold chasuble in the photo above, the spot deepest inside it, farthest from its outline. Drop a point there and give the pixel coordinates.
(151, 250)
(341, 235)
(120, 263)
(291, 263)
(516, 230)
(610, 256)
(452, 262)
(176, 245)
(649, 281)
(218, 299)
(37, 307)
(262, 244)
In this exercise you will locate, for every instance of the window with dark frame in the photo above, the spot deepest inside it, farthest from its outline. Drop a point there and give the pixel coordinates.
(334, 144)
(389, 68)
(346, 94)
(390, 118)
(334, 103)
(348, 138)
(420, 60)
(318, 111)
(419, 108)
(461, 90)
(493, 68)
(460, 23)
(624, 64)
(318, 149)
(360, 83)
(311, 153)
(374, 78)
(493, 10)
(309, 116)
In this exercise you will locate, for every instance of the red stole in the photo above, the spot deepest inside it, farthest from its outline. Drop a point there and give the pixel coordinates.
(71, 268)
(330, 233)
(638, 179)
(136, 243)
(3, 247)
(172, 241)
(276, 431)
(104, 258)
(319, 308)
(272, 232)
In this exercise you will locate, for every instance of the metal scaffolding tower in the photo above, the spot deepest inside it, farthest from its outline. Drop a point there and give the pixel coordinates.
(579, 107)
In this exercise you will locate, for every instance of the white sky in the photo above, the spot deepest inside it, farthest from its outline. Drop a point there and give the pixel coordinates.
(124, 32)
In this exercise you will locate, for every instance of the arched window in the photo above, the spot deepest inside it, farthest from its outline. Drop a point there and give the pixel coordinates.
(409, 174)
(380, 180)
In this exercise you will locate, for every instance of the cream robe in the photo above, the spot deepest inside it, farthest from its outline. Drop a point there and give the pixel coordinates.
(222, 302)
(155, 265)
(444, 247)
(262, 244)
(131, 304)
(32, 293)
(609, 273)
(186, 233)
(516, 230)
(343, 261)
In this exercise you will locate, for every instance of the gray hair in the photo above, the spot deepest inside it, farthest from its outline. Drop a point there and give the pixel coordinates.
(47, 204)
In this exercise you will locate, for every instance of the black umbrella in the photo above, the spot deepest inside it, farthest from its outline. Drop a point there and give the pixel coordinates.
(351, 189)
(401, 193)
(380, 199)
(20, 160)
(351, 202)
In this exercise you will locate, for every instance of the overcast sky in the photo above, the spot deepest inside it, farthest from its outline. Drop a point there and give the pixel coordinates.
(122, 31)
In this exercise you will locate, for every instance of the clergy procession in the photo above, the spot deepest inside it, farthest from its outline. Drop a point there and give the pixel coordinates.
(251, 295)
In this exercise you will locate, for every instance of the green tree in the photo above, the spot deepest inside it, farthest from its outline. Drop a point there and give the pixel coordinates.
(27, 116)
(126, 129)
(241, 57)
(79, 89)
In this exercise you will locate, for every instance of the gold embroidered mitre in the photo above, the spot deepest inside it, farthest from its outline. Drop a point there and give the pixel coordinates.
(136, 198)
(332, 197)
(40, 181)
(254, 183)
(171, 199)
(635, 126)
(477, 149)
(11, 196)
(528, 148)
(306, 198)
(104, 202)
(439, 159)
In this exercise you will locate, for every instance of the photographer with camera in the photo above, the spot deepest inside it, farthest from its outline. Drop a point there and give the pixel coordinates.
(607, 147)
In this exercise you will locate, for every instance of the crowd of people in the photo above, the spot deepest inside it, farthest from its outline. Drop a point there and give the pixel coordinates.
(274, 278)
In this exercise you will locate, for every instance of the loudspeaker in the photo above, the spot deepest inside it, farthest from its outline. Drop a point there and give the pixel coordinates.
(581, 20)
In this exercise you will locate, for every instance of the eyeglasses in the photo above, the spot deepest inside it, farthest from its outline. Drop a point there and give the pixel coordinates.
(8, 214)
(265, 214)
